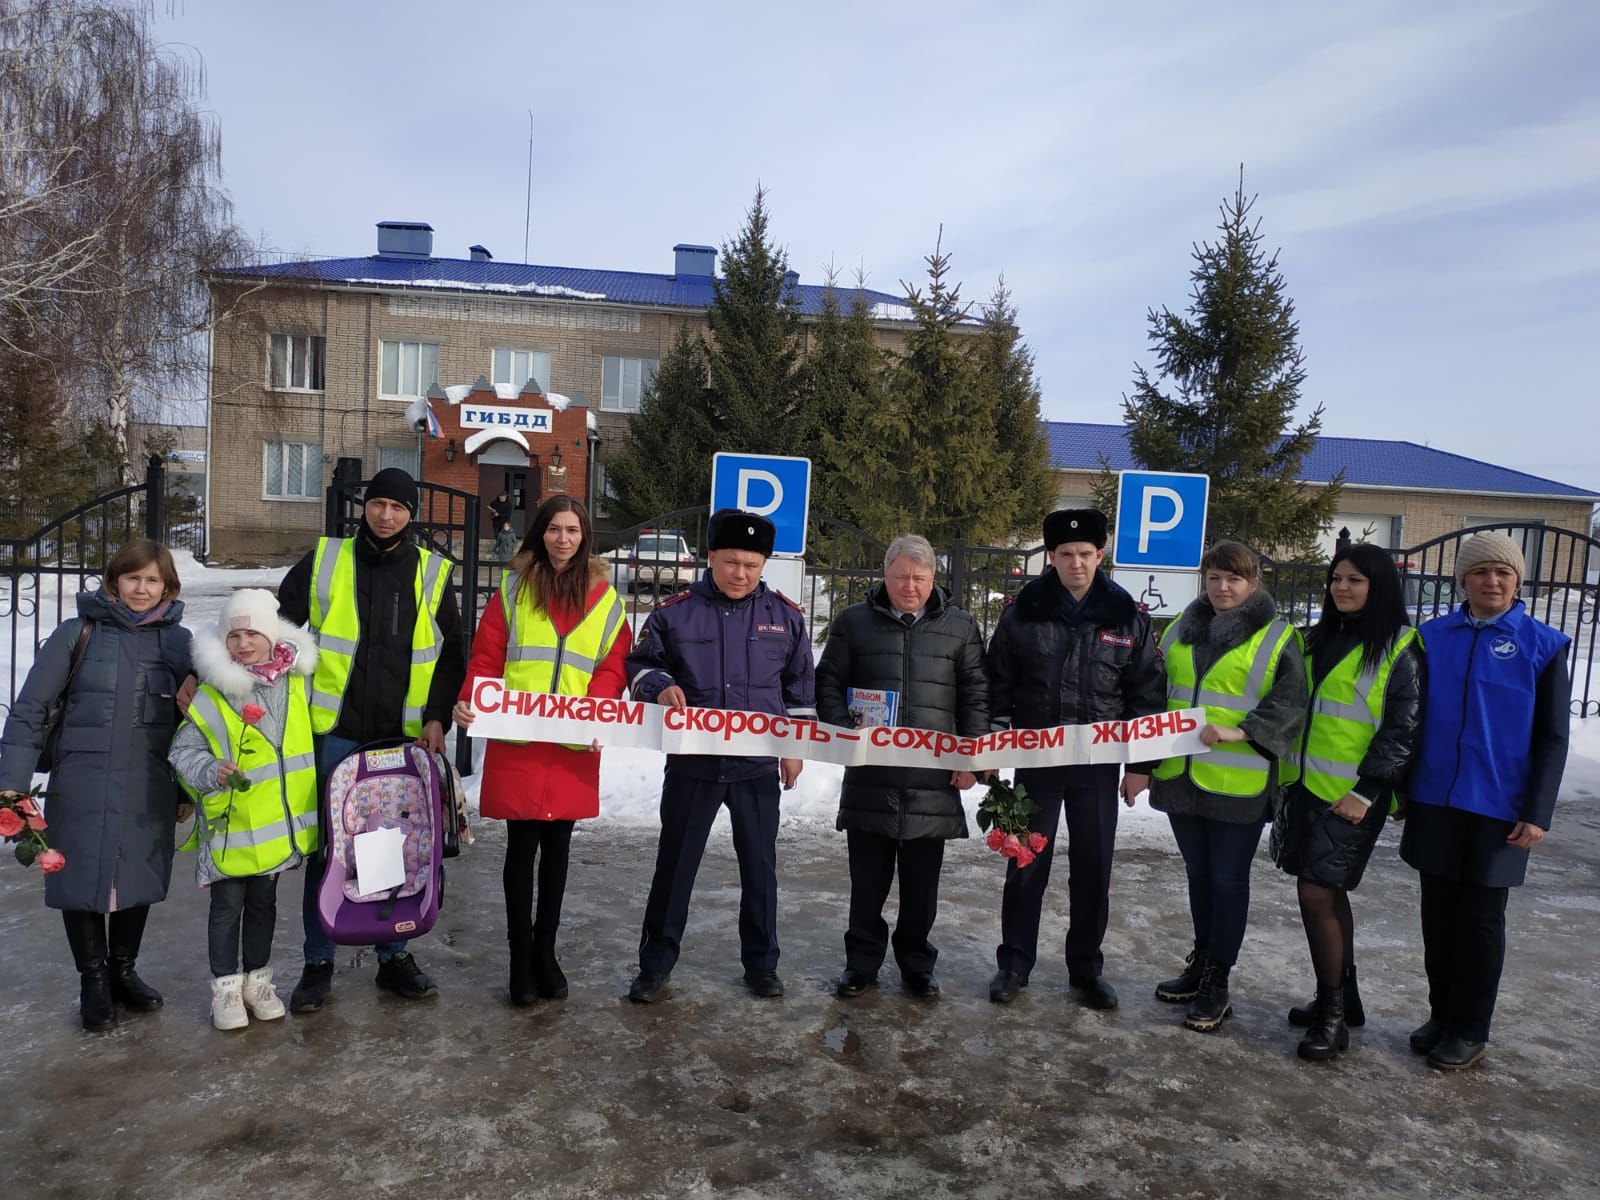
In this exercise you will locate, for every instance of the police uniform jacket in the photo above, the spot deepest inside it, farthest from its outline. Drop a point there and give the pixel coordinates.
(751, 654)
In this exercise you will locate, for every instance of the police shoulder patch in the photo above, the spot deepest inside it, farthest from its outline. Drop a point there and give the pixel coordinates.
(788, 601)
(1009, 600)
(675, 598)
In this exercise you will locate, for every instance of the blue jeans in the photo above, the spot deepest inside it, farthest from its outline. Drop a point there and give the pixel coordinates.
(1217, 857)
(331, 751)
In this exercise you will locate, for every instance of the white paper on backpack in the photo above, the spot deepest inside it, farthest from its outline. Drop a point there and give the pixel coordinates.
(870, 707)
(380, 860)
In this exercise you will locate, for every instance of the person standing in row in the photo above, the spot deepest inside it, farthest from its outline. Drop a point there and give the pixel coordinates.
(112, 803)
(729, 641)
(390, 662)
(1483, 792)
(557, 626)
(1231, 653)
(908, 641)
(1072, 648)
(1367, 678)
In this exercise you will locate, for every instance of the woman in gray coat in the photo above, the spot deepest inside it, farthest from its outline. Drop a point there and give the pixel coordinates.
(112, 803)
(910, 646)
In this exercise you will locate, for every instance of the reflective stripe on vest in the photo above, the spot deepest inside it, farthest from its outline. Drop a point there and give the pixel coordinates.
(1230, 691)
(539, 658)
(338, 628)
(257, 829)
(1346, 710)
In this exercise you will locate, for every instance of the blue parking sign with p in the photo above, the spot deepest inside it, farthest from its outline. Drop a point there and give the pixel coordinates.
(1161, 519)
(770, 485)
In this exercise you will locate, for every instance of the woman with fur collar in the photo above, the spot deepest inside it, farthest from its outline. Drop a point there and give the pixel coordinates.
(245, 754)
(1230, 652)
(555, 597)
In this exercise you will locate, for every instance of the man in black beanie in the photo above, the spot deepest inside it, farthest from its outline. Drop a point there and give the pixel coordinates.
(727, 642)
(386, 668)
(1072, 647)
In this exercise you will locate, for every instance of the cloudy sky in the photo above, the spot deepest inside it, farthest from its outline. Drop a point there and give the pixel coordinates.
(1429, 170)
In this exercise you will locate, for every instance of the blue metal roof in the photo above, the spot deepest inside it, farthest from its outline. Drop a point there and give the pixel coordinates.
(1366, 462)
(559, 283)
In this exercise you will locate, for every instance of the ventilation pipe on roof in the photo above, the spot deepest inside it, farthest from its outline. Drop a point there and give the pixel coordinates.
(791, 284)
(405, 239)
(696, 261)
(479, 253)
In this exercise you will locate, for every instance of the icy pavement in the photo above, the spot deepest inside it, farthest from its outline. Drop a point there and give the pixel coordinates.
(711, 1093)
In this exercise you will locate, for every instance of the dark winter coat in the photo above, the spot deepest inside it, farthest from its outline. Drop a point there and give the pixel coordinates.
(751, 654)
(1273, 727)
(112, 802)
(386, 603)
(936, 665)
(1050, 664)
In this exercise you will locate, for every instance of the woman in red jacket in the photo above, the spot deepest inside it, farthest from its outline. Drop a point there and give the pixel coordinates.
(556, 626)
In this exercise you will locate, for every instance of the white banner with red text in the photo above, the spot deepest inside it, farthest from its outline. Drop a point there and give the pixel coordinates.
(579, 720)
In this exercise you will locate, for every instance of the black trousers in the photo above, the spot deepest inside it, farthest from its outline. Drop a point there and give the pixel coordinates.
(549, 843)
(1088, 794)
(873, 859)
(1463, 951)
(250, 904)
(688, 807)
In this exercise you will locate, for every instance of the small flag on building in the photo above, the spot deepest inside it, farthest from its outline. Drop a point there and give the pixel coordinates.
(420, 415)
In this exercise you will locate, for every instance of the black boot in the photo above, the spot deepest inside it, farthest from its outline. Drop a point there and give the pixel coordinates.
(1327, 1035)
(1182, 989)
(1210, 1006)
(547, 974)
(86, 934)
(127, 989)
(523, 992)
(1302, 1015)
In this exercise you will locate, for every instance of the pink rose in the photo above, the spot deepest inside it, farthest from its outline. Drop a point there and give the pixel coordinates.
(1037, 842)
(36, 824)
(1012, 846)
(10, 823)
(1024, 857)
(27, 806)
(251, 713)
(996, 839)
(52, 861)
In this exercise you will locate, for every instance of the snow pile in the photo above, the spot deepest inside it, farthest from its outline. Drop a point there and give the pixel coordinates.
(462, 285)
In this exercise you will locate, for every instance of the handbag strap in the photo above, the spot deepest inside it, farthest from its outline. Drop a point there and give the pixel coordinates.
(79, 648)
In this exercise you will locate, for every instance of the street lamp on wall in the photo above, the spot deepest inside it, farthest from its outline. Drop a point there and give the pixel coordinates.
(555, 475)
(450, 450)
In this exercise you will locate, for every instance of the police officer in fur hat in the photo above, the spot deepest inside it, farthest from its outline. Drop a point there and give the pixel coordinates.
(728, 642)
(1072, 648)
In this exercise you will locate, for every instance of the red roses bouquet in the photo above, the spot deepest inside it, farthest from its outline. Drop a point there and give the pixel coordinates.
(1004, 813)
(22, 822)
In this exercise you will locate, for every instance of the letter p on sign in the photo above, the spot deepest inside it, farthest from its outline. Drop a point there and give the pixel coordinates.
(766, 485)
(1147, 520)
(1161, 520)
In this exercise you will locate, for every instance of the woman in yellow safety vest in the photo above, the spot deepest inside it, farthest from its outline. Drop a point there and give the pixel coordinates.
(1367, 678)
(1231, 653)
(557, 626)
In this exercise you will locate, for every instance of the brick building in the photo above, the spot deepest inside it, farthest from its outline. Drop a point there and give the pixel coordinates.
(318, 360)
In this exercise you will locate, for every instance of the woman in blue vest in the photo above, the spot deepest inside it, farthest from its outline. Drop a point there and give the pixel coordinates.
(1367, 682)
(557, 626)
(1482, 793)
(1232, 653)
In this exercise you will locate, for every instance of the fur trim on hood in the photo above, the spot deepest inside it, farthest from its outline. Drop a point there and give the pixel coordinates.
(214, 665)
(1202, 625)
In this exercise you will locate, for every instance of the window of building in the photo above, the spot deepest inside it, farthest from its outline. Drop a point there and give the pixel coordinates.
(409, 369)
(292, 471)
(404, 457)
(294, 363)
(516, 367)
(623, 381)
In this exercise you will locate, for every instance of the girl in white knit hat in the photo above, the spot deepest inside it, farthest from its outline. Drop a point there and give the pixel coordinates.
(245, 754)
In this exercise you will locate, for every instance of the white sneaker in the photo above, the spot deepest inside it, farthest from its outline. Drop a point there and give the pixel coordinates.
(227, 1002)
(260, 997)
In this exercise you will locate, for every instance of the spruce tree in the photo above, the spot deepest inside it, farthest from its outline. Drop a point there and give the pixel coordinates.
(843, 385)
(755, 347)
(1225, 394)
(666, 463)
(925, 459)
(1024, 480)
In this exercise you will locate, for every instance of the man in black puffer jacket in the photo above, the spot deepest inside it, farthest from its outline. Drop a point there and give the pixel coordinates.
(1072, 648)
(908, 641)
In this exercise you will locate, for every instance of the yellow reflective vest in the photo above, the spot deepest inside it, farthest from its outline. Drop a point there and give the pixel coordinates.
(256, 829)
(539, 658)
(1230, 690)
(1346, 710)
(338, 628)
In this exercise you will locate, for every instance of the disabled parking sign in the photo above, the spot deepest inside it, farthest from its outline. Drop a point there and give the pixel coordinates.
(1161, 520)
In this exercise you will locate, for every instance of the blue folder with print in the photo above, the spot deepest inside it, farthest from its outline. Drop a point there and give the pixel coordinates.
(872, 706)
